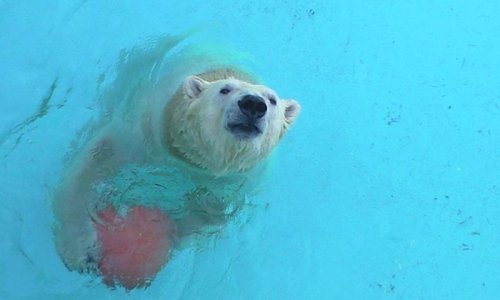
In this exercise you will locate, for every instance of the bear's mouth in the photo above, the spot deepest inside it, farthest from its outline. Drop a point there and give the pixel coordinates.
(244, 130)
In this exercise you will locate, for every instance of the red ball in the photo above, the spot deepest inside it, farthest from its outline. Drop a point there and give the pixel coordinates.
(134, 247)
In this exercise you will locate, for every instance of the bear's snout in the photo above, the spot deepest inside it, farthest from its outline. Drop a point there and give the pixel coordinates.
(253, 107)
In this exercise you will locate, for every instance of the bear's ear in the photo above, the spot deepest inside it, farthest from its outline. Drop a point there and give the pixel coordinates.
(193, 86)
(292, 110)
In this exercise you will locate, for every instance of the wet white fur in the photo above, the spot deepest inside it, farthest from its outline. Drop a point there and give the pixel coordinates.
(196, 117)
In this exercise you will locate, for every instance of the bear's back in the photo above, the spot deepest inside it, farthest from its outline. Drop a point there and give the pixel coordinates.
(225, 73)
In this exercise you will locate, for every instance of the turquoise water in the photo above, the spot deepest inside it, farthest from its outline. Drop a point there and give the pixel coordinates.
(386, 187)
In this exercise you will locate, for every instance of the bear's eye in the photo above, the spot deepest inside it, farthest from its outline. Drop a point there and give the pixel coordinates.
(272, 100)
(225, 91)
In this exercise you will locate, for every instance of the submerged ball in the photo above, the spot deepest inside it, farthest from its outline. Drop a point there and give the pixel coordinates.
(134, 247)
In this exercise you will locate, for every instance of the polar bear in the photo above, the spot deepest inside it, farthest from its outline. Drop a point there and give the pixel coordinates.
(217, 127)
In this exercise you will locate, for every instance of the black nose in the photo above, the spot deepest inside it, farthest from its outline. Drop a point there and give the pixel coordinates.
(253, 106)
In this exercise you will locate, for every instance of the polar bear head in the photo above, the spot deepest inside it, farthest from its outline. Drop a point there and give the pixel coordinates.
(225, 123)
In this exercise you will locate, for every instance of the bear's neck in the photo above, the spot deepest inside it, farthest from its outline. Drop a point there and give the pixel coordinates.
(219, 158)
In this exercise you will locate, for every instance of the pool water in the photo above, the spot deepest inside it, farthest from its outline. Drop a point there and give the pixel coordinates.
(387, 186)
